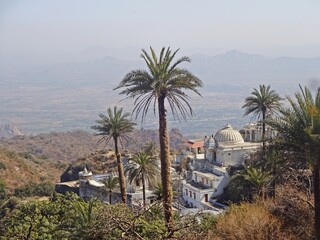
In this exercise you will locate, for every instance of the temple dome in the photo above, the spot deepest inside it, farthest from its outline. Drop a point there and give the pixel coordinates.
(228, 135)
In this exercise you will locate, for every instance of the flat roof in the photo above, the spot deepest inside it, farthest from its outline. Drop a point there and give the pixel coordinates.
(194, 143)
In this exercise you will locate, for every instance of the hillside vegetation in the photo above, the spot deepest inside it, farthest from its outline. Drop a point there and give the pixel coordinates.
(16, 170)
(70, 146)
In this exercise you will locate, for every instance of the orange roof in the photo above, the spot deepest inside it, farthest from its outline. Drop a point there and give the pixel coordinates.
(194, 143)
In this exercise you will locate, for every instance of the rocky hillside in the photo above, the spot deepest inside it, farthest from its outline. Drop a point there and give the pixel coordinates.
(9, 131)
(70, 146)
(16, 169)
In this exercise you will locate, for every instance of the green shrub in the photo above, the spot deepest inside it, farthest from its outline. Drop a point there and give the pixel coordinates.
(2, 189)
(3, 166)
(33, 189)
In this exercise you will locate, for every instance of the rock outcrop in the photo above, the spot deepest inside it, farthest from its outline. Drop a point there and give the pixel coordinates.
(9, 131)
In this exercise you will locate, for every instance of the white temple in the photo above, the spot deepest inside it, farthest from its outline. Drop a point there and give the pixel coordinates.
(209, 173)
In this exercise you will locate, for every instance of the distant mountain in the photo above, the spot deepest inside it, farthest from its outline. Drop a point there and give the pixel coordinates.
(9, 131)
(70, 95)
(233, 68)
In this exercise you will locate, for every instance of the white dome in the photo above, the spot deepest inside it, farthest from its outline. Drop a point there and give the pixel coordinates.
(228, 135)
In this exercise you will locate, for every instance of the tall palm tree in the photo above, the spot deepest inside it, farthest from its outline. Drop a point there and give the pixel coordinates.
(111, 183)
(262, 102)
(115, 126)
(162, 81)
(142, 167)
(299, 128)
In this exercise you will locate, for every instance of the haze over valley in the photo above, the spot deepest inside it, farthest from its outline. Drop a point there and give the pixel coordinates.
(61, 95)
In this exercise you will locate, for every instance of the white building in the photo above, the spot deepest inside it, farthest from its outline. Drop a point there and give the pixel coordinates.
(252, 132)
(209, 175)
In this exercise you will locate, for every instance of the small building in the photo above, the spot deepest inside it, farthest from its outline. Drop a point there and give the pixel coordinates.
(195, 146)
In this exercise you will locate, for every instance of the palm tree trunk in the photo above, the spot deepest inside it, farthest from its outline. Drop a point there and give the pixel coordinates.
(263, 132)
(143, 190)
(122, 181)
(165, 165)
(273, 183)
(316, 190)
(110, 196)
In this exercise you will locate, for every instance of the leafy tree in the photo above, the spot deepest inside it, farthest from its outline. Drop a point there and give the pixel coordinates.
(142, 167)
(111, 183)
(262, 102)
(299, 129)
(163, 81)
(35, 189)
(115, 125)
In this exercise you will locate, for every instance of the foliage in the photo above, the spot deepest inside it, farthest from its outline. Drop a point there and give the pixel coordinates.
(3, 166)
(251, 180)
(163, 78)
(115, 126)
(3, 191)
(34, 189)
(111, 183)
(248, 221)
(17, 171)
(142, 166)
(261, 103)
(293, 208)
(164, 81)
(299, 127)
(60, 218)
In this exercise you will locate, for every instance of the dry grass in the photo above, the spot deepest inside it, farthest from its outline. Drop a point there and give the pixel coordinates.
(18, 170)
(248, 222)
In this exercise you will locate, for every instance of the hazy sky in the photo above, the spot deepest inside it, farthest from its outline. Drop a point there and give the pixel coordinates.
(272, 27)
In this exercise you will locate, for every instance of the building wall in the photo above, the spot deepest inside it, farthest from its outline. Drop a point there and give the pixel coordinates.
(231, 157)
(197, 197)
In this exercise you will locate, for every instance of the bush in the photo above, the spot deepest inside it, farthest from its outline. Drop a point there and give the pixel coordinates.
(249, 221)
(3, 193)
(33, 189)
(3, 166)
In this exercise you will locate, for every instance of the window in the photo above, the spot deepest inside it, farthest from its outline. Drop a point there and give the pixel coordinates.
(194, 195)
(190, 194)
(137, 183)
(186, 192)
(206, 197)
(207, 182)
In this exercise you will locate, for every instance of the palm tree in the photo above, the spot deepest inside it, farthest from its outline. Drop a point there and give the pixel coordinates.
(142, 167)
(111, 183)
(158, 191)
(151, 148)
(115, 126)
(262, 102)
(251, 178)
(258, 178)
(299, 128)
(163, 81)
